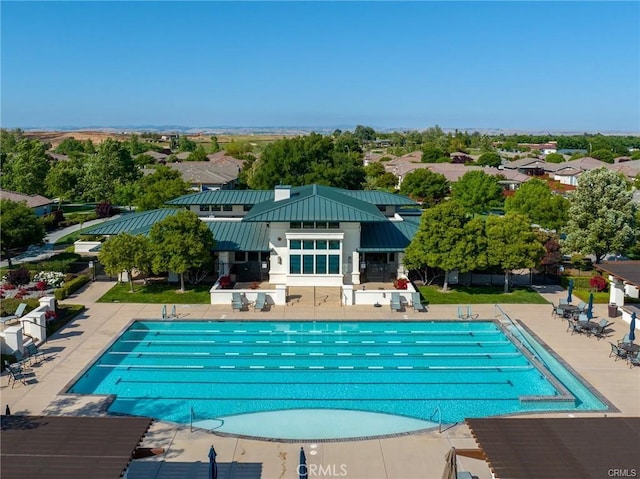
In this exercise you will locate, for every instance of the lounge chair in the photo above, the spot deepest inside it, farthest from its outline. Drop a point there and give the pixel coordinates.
(617, 351)
(634, 360)
(416, 303)
(17, 315)
(237, 302)
(261, 301)
(395, 302)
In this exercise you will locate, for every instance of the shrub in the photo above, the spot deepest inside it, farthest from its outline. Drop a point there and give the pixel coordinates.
(598, 283)
(53, 279)
(401, 283)
(106, 210)
(18, 276)
(71, 287)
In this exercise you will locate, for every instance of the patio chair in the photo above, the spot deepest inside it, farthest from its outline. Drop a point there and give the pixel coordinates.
(582, 306)
(582, 318)
(625, 340)
(617, 351)
(261, 301)
(562, 301)
(395, 302)
(237, 302)
(17, 315)
(577, 327)
(416, 303)
(33, 352)
(634, 360)
(599, 332)
(15, 374)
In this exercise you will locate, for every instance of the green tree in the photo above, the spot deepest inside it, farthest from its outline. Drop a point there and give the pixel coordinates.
(477, 191)
(215, 146)
(154, 190)
(512, 244)
(378, 178)
(186, 144)
(554, 158)
(64, 180)
(125, 194)
(198, 154)
(603, 155)
(489, 159)
(238, 149)
(448, 239)
(601, 215)
(70, 146)
(111, 165)
(125, 253)
(364, 133)
(180, 243)
(425, 186)
(543, 207)
(26, 168)
(20, 227)
(431, 154)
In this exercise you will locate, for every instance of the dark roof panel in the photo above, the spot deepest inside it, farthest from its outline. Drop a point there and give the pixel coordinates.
(239, 236)
(133, 223)
(628, 271)
(224, 197)
(389, 237)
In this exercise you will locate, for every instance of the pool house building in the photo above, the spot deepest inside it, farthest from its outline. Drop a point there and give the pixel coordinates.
(306, 236)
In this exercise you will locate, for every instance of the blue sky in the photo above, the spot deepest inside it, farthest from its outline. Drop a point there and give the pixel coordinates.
(571, 66)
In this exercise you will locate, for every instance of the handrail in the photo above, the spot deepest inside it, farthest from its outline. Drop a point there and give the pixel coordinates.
(528, 345)
(439, 411)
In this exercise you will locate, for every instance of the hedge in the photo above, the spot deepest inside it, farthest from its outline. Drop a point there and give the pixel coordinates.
(71, 287)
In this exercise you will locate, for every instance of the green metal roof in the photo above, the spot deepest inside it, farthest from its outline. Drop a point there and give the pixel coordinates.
(316, 203)
(239, 236)
(224, 197)
(133, 223)
(377, 197)
(387, 237)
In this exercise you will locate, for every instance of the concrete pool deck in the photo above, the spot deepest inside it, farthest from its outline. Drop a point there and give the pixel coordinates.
(418, 455)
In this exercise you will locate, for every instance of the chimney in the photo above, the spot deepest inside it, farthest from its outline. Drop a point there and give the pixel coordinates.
(282, 192)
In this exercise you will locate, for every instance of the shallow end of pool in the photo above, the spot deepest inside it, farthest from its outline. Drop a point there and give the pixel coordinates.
(314, 424)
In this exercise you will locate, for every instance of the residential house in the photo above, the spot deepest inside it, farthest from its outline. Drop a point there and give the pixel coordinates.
(40, 205)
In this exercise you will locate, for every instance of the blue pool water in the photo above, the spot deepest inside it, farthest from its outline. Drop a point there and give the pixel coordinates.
(418, 371)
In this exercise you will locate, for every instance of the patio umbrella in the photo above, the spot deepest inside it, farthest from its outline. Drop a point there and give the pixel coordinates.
(570, 291)
(632, 330)
(590, 307)
(7, 411)
(302, 467)
(213, 467)
(451, 465)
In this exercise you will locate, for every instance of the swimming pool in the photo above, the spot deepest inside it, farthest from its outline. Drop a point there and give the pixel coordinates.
(259, 378)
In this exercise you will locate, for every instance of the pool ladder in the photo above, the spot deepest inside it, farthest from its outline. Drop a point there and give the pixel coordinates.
(439, 411)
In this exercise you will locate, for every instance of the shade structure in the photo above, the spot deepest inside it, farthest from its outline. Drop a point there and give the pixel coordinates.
(632, 327)
(590, 307)
(569, 291)
(213, 466)
(451, 466)
(302, 467)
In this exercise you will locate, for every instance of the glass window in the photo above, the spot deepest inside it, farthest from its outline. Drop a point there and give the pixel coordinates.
(294, 264)
(334, 264)
(295, 225)
(334, 244)
(392, 257)
(253, 256)
(264, 256)
(240, 256)
(295, 244)
(321, 225)
(204, 207)
(307, 264)
(227, 208)
(308, 225)
(321, 244)
(321, 264)
(216, 208)
(246, 207)
(307, 244)
(334, 226)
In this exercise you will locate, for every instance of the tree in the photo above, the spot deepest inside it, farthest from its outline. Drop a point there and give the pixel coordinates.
(554, 158)
(364, 133)
(186, 144)
(154, 190)
(603, 155)
(180, 243)
(215, 146)
(448, 239)
(489, 159)
(126, 252)
(111, 165)
(26, 168)
(431, 154)
(20, 227)
(64, 180)
(70, 146)
(198, 154)
(601, 216)
(477, 191)
(512, 244)
(543, 207)
(553, 254)
(378, 178)
(425, 186)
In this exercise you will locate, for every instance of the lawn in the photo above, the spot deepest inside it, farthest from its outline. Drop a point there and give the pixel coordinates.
(73, 236)
(598, 298)
(158, 293)
(480, 295)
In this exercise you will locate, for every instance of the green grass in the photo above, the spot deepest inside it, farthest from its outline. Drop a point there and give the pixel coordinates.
(480, 295)
(158, 293)
(598, 298)
(73, 237)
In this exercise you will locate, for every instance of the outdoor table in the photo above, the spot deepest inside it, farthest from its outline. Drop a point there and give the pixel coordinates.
(568, 309)
(630, 348)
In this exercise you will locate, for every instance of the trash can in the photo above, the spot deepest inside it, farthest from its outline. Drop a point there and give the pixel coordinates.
(613, 310)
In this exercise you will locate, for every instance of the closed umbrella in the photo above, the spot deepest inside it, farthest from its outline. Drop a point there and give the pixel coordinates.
(213, 467)
(570, 291)
(451, 465)
(632, 331)
(302, 467)
(590, 307)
